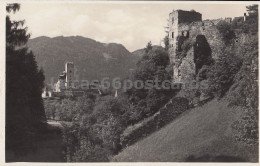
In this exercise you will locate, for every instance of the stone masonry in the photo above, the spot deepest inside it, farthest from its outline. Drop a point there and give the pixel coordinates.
(185, 25)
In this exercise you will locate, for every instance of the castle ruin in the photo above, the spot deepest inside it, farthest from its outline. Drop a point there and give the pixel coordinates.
(68, 86)
(65, 80)
(205, 41)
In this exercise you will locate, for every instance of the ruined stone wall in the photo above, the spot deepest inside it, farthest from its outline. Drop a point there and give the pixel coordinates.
(188, 16)
(209, 30)
(190, 32)
(69, 68)
(175, 18)
(171, 52)
(173, 31)
(187, 25)
(187, 68)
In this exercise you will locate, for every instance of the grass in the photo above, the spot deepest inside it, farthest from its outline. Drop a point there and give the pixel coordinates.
(131, 128)
(200, 134)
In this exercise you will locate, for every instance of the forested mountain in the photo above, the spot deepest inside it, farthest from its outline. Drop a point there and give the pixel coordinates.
(92, 59)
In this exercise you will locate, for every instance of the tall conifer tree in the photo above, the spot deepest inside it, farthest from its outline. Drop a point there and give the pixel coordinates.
(24, 82)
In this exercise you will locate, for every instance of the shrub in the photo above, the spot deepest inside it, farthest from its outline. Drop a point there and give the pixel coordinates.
(166, 42)
(247, 126)
(244, 93)
(99, 121)
(154, 66)
(251, 24)
(187, 45)
(226, 31)
(221, 75)
(165, 115)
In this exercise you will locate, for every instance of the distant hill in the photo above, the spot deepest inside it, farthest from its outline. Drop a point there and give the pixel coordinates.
(92, 59)
(141, 52)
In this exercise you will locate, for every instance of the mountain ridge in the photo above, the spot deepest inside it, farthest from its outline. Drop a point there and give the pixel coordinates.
(93, 60)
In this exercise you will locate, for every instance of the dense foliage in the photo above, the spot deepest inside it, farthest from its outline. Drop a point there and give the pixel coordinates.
(165, 115)
(221, 75)
(155, 67)
(251, 23)
(244, 92)
(166, 42)
(24, 82)
(225, 29)
(149, 47)
(97, 122)
(234, 75)
(100, 125)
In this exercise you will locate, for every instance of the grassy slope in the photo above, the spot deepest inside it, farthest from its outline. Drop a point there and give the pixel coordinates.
(203, 132)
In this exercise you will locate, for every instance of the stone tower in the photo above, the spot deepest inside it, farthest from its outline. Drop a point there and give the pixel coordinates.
(178, 24)
(69, 69)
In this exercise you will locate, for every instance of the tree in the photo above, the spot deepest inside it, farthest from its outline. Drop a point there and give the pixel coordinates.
(153, 67)
(226, 31)
(16, 35)
(166, 42)
(251, 23)
(252, 10)
(222, 74)
(244, 93)
(148, 47)
(24, 82)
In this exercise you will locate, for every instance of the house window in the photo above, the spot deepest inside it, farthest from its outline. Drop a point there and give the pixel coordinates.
(172, 34)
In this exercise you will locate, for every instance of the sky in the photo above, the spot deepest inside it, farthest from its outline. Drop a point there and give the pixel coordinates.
(132, 25)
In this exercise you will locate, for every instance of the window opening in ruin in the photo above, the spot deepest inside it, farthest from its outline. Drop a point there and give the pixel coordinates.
(172, 34)
(179, 73)
(187, 34)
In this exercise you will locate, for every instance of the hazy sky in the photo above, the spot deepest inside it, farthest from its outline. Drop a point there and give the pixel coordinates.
(132, 25)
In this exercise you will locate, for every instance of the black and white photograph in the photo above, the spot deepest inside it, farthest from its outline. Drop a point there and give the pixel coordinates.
(127, 82)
